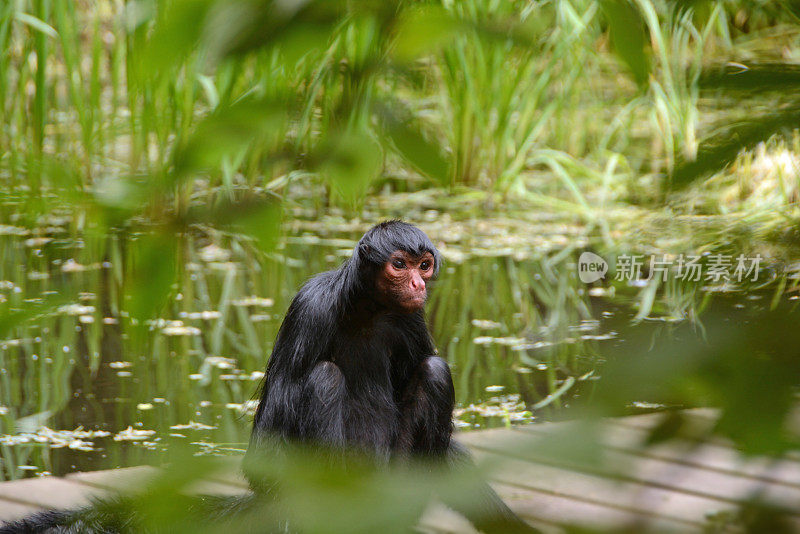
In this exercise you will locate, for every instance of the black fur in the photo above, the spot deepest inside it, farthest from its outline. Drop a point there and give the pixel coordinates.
(349, 373)
(343, 365)
(122, 515)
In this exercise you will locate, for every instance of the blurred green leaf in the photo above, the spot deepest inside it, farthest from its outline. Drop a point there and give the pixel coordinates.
(123, 193)
(230, 130)
(666, 429)
(755, 77)
(628, 37)
(742, 81)
(257, 218)
(237, 27)
(422, 30)
(721, 149)
(749, 371)
(152, 271)
(350, 163)
(325, 490)
(180, 23)
(426, 156)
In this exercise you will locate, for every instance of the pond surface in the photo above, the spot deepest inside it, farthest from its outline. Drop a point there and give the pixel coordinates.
(83, 387)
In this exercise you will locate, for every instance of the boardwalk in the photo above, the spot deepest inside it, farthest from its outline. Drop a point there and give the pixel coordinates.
(679, 486)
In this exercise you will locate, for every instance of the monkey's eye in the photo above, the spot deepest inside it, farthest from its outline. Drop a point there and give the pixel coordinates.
(398, 264)
(425, 265)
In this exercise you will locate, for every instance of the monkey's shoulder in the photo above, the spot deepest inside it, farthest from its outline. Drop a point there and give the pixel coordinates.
(316, 302)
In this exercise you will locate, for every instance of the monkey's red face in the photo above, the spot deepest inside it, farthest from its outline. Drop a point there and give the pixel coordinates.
(401, 282)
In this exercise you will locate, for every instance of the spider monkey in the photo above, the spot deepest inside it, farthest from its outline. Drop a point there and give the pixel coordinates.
(353, 368)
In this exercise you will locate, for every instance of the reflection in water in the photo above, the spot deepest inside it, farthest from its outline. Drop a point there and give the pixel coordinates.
(525, 338)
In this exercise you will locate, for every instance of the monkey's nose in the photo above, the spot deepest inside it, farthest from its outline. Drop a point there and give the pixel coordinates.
(417, 283)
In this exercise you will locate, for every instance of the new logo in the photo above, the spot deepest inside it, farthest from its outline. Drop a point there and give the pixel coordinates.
(591, 267)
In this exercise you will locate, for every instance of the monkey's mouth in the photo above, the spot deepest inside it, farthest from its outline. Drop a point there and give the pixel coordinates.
(414, 303)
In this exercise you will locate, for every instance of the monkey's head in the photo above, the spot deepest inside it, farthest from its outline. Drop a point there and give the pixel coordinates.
(399, 261)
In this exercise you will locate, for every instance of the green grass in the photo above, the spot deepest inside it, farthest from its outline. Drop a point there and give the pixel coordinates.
(118, 91)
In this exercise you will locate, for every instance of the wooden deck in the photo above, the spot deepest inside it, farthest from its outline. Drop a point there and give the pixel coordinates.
(678, 486)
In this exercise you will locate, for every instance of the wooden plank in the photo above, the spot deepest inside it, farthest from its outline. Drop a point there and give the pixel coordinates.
(548, 511)
(439, 519)
(784, 470)
(214, 487)
(706, 456)
(709, 470)
(698, 420)
(701, 421)
(230, 473)
(10, 510)
(47, 492)
(636, 484)
(671, 486)
(122, 479)
(628, 499)
(225, 482)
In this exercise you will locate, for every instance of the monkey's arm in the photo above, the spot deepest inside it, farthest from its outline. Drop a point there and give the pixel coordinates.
(426, 410)
(322, 409)
(425, 430)
(310, 410)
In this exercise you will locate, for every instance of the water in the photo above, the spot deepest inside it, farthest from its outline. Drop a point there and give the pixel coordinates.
(525, 339)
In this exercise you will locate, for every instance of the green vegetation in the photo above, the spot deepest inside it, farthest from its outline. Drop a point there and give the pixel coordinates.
(174, 170)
